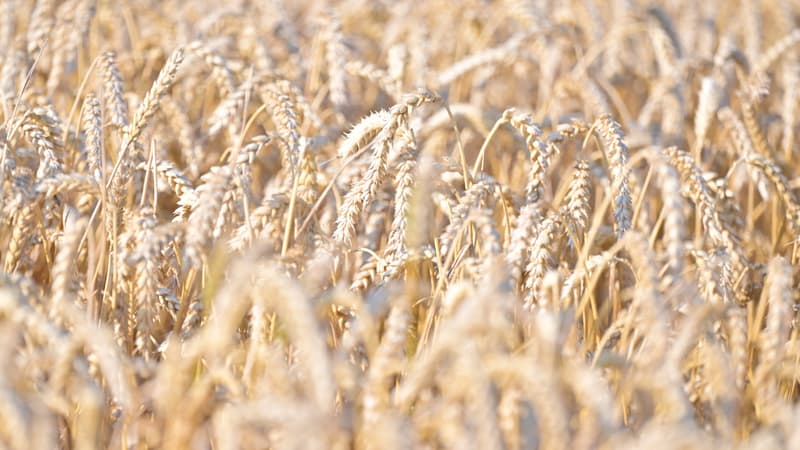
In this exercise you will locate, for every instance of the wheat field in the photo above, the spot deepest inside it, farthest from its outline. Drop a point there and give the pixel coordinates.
(278, 224)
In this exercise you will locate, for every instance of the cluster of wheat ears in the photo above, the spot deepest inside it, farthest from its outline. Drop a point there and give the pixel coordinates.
(398, 224)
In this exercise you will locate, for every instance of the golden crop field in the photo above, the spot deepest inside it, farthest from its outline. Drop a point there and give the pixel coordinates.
(277, 224)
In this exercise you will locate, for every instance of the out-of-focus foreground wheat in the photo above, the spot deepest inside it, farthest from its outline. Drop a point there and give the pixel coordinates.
(379, 225)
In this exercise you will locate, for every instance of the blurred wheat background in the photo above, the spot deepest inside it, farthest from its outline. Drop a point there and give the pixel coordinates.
(364, 224)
